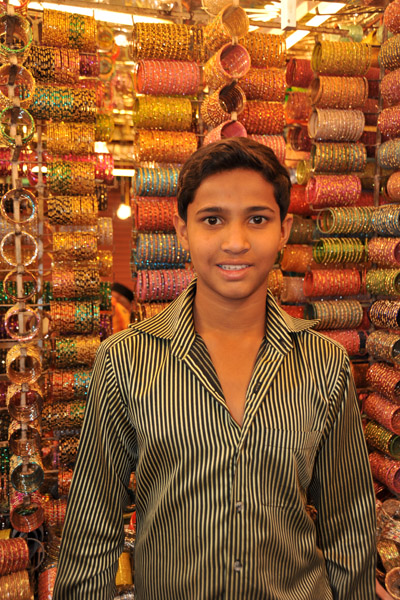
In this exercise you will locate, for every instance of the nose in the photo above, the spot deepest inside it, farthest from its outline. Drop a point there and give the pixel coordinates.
(235, 239)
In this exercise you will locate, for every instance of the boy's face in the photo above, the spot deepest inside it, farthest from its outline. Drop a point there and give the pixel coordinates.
(233, 232)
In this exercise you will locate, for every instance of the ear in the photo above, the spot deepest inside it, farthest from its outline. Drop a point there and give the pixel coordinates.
(286, 226)
(181, 231)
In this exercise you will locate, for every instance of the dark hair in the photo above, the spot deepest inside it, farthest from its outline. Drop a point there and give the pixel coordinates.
(123, 290)
(229, 154)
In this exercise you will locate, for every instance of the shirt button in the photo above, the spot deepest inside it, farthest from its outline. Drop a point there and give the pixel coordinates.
(239, 507)
(237, 566)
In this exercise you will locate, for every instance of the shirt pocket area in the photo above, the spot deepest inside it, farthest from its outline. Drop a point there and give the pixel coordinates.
(289, 460)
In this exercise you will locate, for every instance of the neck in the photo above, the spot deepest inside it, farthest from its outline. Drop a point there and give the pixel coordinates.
(229, 316)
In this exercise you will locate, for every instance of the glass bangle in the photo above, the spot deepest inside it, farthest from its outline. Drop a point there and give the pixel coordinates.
(24, 403)
(32, 367)
(31, 321)
(24, 123)
(31, 248)
(26, 206)
(29, 290)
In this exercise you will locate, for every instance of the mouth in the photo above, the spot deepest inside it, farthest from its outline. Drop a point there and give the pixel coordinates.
(233, 267)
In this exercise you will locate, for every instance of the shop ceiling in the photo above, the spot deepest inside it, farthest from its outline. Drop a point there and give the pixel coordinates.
(273, 16)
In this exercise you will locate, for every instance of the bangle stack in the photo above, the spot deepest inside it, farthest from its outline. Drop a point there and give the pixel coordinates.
(266, 50)
(75, 317)
(386, 220)
(332, 124)
(298, 107)
(264, 84)
(385, 314)
(157, 112)
(299, 73)
(154, 214)
(62, 30)
(217, 107)
(384, 346)
(338, 157)
(167, 78)
(385, 282)
(159, 251)
(385, 379)
(53, 65)
(386, 470)
(384, 252)
(63, 415)
(352, 340)
(229, 63)
(72, 210)
(339, 92)
(339, 250)
(164, 146)
(164, 285)
(231, 22)
(336, 58)
(332, 282)
(382, 439)
(297, 258)
(263, 117)
(333, 190)
(156, 182)
(336, 314)
(380, 409)
(355, 220)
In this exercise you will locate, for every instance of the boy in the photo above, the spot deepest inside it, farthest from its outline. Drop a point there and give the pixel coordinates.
(234, 416)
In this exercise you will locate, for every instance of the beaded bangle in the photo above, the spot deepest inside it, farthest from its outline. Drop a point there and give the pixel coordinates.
(384, 282)
(385, 379)
(384, 252)
(339, 92)
(299, 72)
(62, 103)
(333, 190)
(225, 130)
(339, 157)
(159, 251)
(161, 285)
(77, 138)
(336, 314)
(389, 53)
(378, 408)
(336, 125)
(302, 231)
(264, 84)
(229, 63)
(347, 220)
(353, 341)
(164, 146)
(386, 470)
(339, 250)
(16, 586)
(72, 210)
(263, 117)
(266, 50)
(218, 106)
(163, 41)
(384, 346)
(167, 78)
(332, 282)
(173, 114)
(298, 202)
(14, 555)
(385, 314)
(156, 182)
(298, 106)
(390, 87)
(275, 142)
(297, 258)
(53, 65)
(69, 30)
(382, 439)
(386, 220)
(231, 22)
(335, 58)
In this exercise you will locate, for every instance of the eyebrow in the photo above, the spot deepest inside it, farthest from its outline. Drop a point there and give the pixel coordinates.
(251, 209)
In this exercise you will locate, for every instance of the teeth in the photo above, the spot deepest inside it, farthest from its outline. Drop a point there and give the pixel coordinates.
(232, 267)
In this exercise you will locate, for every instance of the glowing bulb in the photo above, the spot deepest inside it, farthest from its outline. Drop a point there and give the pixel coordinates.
(123, 211)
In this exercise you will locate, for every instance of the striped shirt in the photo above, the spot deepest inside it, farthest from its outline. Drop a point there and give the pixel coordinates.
(221, 509)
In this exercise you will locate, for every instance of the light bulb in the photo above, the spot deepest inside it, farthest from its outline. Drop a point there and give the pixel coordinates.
(123, 211)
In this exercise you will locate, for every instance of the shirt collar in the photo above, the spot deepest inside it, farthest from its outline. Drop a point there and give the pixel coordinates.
(175, 323)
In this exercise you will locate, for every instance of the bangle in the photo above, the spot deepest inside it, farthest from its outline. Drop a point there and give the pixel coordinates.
(22, 121)
(164, 146)
(30, 320)
(264, 84)
(380, 409)
(385, 470)
(231, 22)
(298, 106)
(218, 106)
(69, 30)
(29, 248)
(32, 367)
(384, 346)
(336, 125)
(230, 62)
(275, 142)
(336, 58)
(225, 130)
(263, 117)
(167, 78)
(339, 92)
(20, 29)
(25, 209)
(14, 555)
(24, 403)
(27, 517)
(163, 41)
(333, 190)
(26, 480)
(23, 86)
(299, 72)
(156, 112)
(265, 49)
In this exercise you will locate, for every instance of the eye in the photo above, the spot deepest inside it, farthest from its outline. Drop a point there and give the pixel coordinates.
(212, 220)
(258, 220)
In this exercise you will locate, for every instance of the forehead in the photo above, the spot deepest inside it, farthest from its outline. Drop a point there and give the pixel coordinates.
(240, 185)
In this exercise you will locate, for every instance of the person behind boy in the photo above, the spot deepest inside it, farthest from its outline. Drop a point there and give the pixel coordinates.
(235, 417)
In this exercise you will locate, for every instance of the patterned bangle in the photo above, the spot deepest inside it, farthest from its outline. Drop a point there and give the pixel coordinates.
(275, 142)
(158, 251)
(385, 314)
(332, 314)
(230, 22)
(266, 50)
(378, 408)
(163, 41)
(385, 379)
(384, 346)
(154, 214)
(229, 63)
(346, 220)
(385, 470)
(384, 252)
(69, 30)
(333, 190)
(386, 220)
(382, 439)
(167, 78)
(263, 117)
(332, 282)
(264, 84)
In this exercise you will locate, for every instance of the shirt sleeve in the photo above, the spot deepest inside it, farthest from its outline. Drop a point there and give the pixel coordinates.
(343, 494)
(93, 534)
